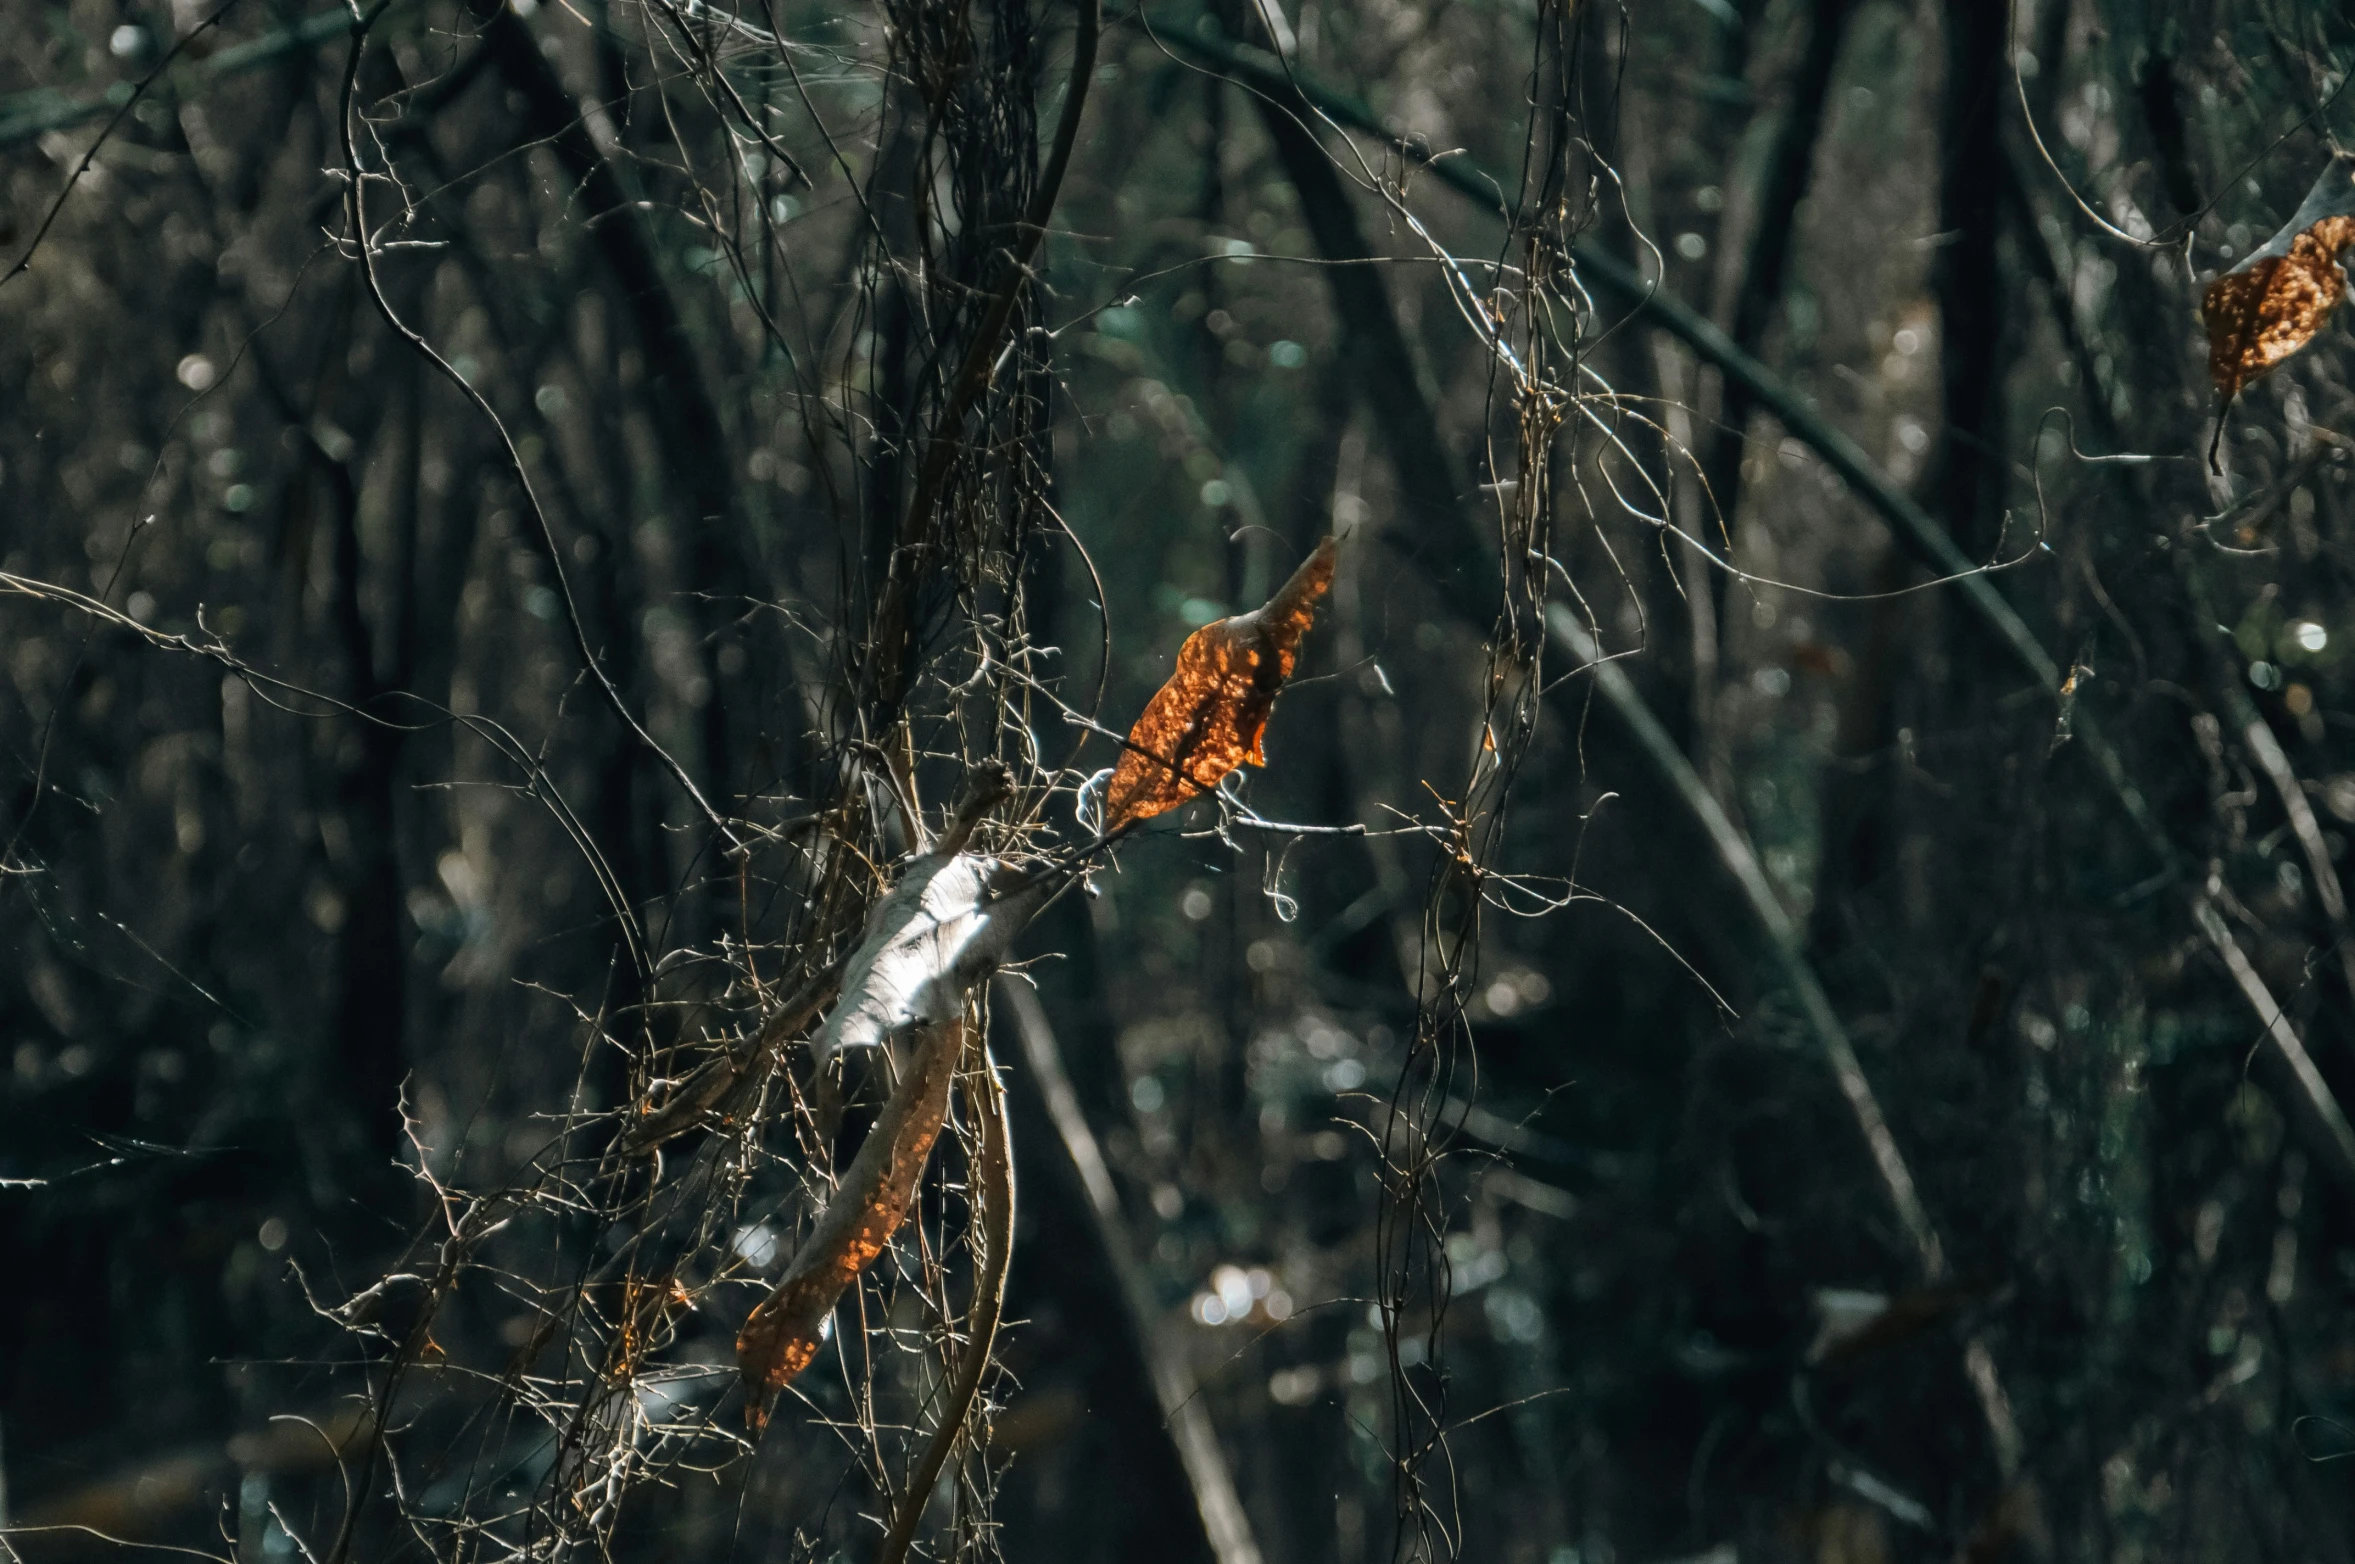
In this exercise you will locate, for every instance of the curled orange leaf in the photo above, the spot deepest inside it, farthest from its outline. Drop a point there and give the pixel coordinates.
(1209, 718)
(2275, 300)
(783, 1335)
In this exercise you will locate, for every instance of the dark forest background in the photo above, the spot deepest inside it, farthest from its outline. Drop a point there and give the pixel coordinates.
(1784, 991)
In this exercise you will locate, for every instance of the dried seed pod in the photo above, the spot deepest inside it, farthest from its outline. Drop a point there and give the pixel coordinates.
(1209, 718)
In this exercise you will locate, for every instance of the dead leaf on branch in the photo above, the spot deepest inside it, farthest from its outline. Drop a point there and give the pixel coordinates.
(2276, 300)
(784, 1333)
(1211, 715)
(934, 938)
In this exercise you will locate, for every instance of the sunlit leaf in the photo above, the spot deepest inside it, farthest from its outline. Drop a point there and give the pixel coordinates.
(1209, 718)
(2275, 300)
(784, 1334)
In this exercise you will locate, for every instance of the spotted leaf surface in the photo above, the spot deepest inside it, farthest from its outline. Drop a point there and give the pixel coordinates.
(784, 1333)
(2272, 304)
(1211, 715)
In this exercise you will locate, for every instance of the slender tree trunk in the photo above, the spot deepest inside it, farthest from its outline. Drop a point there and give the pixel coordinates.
(1790, 169)
(1858, 808)
(372, 944)
(1966, 276)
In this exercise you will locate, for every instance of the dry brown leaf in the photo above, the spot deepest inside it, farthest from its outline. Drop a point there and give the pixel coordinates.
(783, 1335)
(1209, 718)
(2275, 300)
